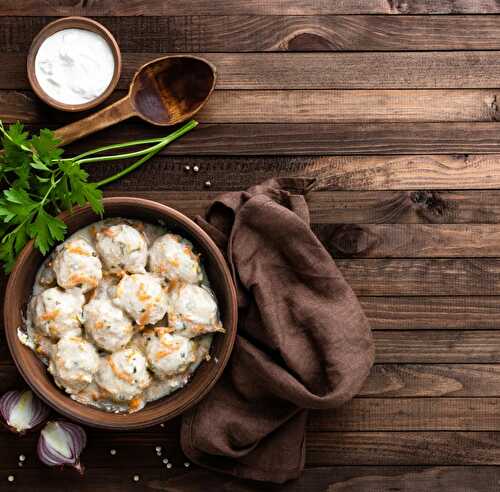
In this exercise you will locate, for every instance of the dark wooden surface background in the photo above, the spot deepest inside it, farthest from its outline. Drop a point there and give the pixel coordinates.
(392, 105)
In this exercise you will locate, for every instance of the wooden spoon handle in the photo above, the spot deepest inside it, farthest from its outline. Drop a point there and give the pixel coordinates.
(114, 113)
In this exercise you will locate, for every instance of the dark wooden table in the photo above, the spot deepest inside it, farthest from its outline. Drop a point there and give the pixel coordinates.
(392, 106)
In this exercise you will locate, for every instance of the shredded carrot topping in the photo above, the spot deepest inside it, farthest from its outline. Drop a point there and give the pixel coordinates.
(50, 315)
(76, 279)
(144, 319)
(142, 295)
(120, 374)
(135, 403)
(78, 250)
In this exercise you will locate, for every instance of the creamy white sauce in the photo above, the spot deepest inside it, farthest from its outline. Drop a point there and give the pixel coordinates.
(158, 367)
(74, 66)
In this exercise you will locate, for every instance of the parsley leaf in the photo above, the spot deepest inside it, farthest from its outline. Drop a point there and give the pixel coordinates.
(38, 183)
(46, 230)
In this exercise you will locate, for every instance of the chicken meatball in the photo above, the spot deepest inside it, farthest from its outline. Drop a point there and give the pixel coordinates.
(193, 311)
(55, 312)
(142, 297)
(167, 385)
(76, 264)
(169, 354)
(123, 374)
(107, 325)
(73, 363)
(122, 248)
(172, 257)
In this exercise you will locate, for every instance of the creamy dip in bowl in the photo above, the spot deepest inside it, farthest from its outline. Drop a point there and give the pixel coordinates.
(74, 63)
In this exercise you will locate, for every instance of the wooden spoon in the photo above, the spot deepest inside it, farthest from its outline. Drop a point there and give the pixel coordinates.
(165, 92)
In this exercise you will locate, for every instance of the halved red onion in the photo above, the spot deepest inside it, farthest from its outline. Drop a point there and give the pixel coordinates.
(61, 443)
(22, 410)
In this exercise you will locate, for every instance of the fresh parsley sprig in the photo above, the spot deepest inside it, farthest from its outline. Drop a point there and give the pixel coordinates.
(38, 183)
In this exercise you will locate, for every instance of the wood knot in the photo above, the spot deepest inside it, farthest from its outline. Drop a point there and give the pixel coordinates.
(309, 42)
(429, 203)
(399, 6)
(350, 240)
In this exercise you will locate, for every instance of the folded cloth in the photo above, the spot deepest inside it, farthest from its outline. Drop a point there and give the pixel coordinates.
(303, 341)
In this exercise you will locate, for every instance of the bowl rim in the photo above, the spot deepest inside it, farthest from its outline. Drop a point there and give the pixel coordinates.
(76, 22)
(16, 348)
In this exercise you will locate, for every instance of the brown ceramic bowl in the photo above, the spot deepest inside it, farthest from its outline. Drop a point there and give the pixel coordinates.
(34, 372)
(73, 23)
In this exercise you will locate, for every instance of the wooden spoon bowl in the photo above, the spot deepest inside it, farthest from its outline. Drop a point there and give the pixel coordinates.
(35, 373)
(170, 90)
(166, 91)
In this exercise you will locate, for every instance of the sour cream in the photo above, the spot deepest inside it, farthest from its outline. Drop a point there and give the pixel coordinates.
(74, 66)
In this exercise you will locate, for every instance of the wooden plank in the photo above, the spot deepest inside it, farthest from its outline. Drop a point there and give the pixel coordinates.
(353, 479)
(111, 479)
(423, 277)
(313, 71)
(432, 313)
(410, 414)
(259, 7)
(437, 207)
(302, 106)
(333, 207)
(137, 449)
(427, 380)
(409, 240)
(315, 138)
(429, 347)
(367, 173)
(331, 478)
(250, 33)
(403, 448)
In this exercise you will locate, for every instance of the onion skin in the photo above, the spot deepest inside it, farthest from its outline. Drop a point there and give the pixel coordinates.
(76, 439)
(37, 412)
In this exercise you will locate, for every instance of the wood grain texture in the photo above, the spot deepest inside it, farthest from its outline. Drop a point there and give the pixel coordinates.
(432, 380)
(249, 33)
(344, 207)
(317, 479)
(208, 7)
(404, 448)
(356, 479)
(302, 106)
(308, 71)
(429, 347)
(422, 173)
(410, 414)
(423, 277)
(432, 313)
(409, 240)
(316, 138)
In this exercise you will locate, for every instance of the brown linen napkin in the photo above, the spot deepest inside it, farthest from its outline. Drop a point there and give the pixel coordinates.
(303, 341)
